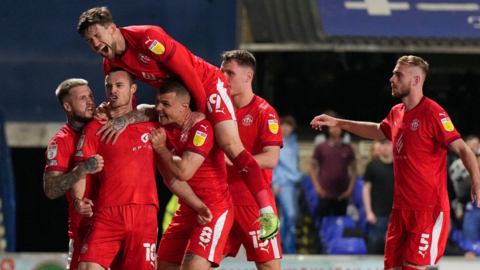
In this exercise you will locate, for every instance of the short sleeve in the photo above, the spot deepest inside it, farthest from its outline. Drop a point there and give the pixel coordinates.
(201, 139)
(386, 126)
(159, 45)
(368, 176)
(59, 153)
(88, 144)
(441, 127)
(269, 130)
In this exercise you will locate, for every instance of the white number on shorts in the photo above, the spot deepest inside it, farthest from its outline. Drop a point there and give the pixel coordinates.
(150, 254)
(256, 244)
(205, 237)
(214, 99)
(424, 241)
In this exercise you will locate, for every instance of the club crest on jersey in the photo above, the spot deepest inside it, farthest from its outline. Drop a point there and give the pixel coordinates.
(157, 47)
(447, 124)
(199, 138)
(247, 120)
(143, 58)
(273, 125)
(415, 124)
(80, 142)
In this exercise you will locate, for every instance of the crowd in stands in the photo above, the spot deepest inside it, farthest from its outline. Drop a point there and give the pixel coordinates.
(335, 211)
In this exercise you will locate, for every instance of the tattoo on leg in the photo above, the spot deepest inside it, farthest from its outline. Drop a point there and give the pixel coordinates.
(188, 257)
(91, 164)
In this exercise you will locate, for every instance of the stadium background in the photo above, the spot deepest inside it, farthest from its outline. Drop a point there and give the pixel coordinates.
(312, 56)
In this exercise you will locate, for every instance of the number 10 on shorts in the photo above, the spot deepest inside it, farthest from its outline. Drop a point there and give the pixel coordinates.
(150, 252)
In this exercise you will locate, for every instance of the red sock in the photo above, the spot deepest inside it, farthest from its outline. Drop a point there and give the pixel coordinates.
(252, 175)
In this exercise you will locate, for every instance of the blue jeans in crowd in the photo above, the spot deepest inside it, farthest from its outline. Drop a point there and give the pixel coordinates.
(288, 199)
(471, 223)
(377, 235)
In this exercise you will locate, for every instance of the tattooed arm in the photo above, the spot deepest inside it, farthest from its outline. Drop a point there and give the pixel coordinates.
(115, 127)
(56, 183)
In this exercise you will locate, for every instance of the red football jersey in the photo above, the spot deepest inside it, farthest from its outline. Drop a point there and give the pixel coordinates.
(59, 157)
(258, 126)
(128, 175)
(420, 138)
(153, 57)
(210, 180)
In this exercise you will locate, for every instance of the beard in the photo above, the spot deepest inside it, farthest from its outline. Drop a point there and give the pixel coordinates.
(82, 117)
(402, 92)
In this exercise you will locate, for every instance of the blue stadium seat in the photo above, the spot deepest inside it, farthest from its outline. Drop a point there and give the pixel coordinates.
(311, 195)
(357, 197)
(348, 246)
(362, 220)
(457, 235)
(329, 221)
(469, 245)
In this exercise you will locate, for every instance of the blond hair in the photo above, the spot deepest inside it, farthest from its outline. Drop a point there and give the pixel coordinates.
(63, 90)
(413, 60)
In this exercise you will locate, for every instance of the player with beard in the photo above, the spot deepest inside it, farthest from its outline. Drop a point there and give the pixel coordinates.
(152, 56)
(421, 132)
(60, 173)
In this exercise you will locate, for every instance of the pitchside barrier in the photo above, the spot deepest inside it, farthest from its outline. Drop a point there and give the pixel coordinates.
(57, 261)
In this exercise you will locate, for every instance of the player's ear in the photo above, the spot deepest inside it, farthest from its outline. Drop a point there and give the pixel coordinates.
(416, 80)
(113, 28)
(249, 76)
(134, 88)
(67, 107)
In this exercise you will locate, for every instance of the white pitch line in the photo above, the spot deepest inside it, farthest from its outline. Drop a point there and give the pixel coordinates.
(448, 7)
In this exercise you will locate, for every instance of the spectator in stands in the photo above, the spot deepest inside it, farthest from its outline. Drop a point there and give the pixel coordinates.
(321, 138)
(333, 173)
(286, 177)
(375, 150)
(379, 182)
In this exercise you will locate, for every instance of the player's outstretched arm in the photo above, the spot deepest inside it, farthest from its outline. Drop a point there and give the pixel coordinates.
(470, 162)
(364, 129)
(56, 183)
(115, 127)
(184, 168)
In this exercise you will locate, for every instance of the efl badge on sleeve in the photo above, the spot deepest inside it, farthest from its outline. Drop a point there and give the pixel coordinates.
(52, 151)
(273, 125)
(199, 138)
(157, 47)
(447, 124)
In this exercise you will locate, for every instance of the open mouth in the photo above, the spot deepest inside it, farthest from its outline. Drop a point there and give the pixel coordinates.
(103, 50)
(113, 98)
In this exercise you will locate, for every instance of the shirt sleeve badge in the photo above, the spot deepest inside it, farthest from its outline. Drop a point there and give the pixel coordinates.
(157, 47)
(199, 138)
(273, 125)
(52, 151)
(447, 124)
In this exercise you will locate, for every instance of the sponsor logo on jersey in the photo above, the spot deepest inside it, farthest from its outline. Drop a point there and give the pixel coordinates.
(145, 59)
(146, 42)
(52, 163)
(247, 120)
(447, 124)
(52, 151)
(199, 138)
(415, 124)
(157, 47)
(145, 137)
(80, 142)
(273, 125)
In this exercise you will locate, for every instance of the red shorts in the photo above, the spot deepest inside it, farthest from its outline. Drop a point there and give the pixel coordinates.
(418, 237)
(219, 104)
(74, 246)
(129, 230)
(184, 235)
(246, 233)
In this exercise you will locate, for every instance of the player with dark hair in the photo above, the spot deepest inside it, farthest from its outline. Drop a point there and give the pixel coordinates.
(260, 133)
(196, 158)
(421, 132)
(152, 56)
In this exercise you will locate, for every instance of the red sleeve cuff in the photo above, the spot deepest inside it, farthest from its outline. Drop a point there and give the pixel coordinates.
(382, 127)
(79, 159)
(273, 143)
(197, 151)
(55, 168)
(449, 141)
